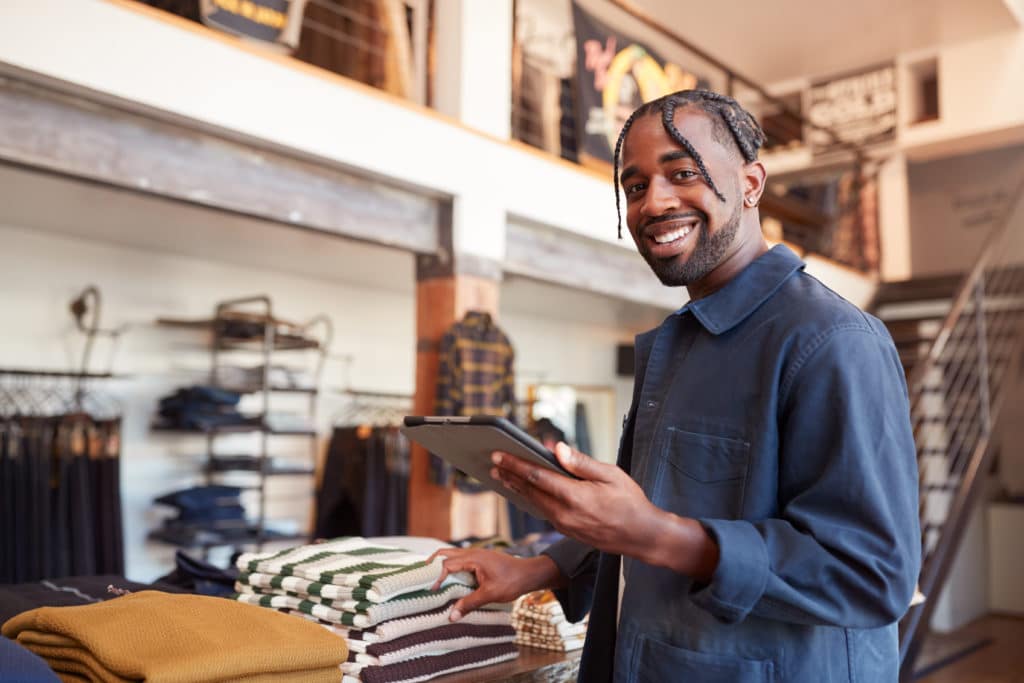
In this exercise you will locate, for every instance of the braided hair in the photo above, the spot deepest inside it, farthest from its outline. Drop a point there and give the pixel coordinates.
(730, 123)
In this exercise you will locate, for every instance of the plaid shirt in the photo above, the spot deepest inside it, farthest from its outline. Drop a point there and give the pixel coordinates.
(476, 375)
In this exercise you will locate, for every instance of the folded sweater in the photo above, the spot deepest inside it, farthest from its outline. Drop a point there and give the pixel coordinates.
(375, 573)
(165, 638)
(351, 613)
(386, 631)
(425, 668)
(430, 642)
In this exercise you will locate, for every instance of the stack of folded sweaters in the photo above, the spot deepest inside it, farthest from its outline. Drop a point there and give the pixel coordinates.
(158, 636)
(379, 599)
(540, 622)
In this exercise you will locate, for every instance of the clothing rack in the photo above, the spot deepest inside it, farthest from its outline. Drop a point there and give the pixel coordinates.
(60, 509)
(372, 408)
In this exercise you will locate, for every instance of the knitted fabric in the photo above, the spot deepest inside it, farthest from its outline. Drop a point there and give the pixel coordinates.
(425, 668)
(435, 641)
(165, 638)
(375, 573)
(556, 644)
(540, 622)
(358, 639)
(355, 614)
(388, 587)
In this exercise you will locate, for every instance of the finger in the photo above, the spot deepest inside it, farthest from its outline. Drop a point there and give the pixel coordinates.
(465, 605)
(582, 465)
(441, 577)
(547, 503)
(533, 476)
(450, 566)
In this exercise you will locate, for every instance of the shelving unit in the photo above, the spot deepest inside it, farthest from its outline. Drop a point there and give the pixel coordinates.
(247, 327)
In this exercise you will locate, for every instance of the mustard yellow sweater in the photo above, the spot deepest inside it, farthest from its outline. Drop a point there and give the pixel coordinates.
(168, 638)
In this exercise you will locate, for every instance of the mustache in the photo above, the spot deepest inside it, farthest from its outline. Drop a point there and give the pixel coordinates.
(654, 220)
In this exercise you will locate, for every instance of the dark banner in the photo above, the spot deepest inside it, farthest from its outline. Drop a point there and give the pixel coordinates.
(615, 74)
(859, 108)
(271, 21)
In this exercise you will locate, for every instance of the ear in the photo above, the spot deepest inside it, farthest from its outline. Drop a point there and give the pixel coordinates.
(753, 183)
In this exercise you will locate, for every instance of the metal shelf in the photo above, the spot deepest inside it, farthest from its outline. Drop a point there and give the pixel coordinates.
(251, 536)
(257, 428)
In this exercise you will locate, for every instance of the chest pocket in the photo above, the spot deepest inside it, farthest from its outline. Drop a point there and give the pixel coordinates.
(700, 475)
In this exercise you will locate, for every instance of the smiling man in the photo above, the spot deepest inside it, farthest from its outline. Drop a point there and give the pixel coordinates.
(761, 523)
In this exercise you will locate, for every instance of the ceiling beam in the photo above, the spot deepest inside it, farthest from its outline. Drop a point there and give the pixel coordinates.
(550, 255)
(44, 128)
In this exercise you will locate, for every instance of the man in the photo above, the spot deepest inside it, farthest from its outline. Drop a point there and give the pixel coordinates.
(764, 506)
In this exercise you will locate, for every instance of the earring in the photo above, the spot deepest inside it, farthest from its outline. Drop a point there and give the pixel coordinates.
(750, 201)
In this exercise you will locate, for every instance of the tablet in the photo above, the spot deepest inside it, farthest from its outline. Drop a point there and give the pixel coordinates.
(467, 443)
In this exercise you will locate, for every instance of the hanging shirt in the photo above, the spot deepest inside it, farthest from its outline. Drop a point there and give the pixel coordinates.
(476, 373)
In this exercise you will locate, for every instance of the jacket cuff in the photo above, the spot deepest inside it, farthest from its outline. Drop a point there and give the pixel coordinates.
(578, 563)
(740, 579)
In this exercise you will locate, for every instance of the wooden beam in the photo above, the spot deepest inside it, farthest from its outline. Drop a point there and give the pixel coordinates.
(557, 256)
(43, 128)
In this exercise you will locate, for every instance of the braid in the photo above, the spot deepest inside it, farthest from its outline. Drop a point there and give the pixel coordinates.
(668, 112)
(615, 164)
(729, 121)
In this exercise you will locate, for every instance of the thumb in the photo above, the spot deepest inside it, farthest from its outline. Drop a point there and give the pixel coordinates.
(467, 604)
(583, 466)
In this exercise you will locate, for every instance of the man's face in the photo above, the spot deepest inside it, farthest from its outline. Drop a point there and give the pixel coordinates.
(680, 226)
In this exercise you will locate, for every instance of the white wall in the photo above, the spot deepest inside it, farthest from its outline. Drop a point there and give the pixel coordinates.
(41, 270)
(40, 273)
(955, 202)
(965, 596)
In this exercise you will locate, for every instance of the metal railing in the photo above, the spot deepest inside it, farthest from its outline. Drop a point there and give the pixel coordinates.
(956, 391)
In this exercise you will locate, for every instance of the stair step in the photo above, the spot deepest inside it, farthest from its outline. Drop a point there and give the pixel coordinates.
(919, 288)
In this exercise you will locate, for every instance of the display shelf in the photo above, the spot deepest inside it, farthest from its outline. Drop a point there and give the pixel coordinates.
(256, 428)
(249, 325)
(231, 464)
(204, 539)
(251, 389)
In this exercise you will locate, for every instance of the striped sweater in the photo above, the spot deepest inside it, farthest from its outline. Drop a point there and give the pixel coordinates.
(348, 568)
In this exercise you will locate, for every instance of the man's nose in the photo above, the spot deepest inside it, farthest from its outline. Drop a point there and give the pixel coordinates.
(659, 198)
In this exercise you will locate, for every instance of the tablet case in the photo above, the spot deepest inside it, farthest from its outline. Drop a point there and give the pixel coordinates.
(467, 443)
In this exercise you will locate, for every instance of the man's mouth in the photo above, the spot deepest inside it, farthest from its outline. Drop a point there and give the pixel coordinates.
(666, 240)
(672, 236)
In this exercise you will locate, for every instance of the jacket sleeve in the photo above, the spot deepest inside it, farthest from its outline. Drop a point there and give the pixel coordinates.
(845, 548)
(578, 563)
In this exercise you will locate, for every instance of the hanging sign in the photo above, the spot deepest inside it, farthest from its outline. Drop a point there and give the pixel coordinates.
(615, 74)
(271, 21)
(859, 108)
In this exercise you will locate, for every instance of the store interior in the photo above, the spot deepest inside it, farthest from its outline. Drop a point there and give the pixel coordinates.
(222, 295)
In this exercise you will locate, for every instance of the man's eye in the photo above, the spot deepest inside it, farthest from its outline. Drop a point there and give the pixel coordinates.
(684, 174)
(634, 188)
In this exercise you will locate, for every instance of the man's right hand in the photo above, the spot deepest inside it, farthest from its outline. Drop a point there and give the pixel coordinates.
(500, 577)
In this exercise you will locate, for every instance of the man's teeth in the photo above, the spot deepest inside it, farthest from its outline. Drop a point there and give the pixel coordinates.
(673, 236)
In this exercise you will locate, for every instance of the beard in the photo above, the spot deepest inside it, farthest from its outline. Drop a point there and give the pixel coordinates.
(707, 254)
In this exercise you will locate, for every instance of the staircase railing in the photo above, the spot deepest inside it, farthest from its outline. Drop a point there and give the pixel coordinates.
(956, 391)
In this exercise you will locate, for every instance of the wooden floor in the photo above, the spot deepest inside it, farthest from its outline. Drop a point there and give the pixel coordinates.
(1000, 661)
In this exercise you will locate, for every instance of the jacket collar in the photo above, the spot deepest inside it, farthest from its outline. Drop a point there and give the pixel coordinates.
(732, 304)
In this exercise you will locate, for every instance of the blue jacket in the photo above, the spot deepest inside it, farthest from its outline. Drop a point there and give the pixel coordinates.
(775, 413)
